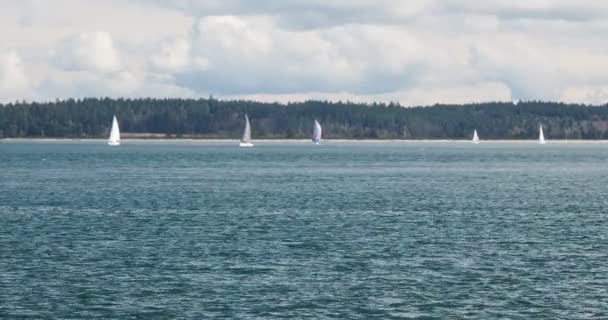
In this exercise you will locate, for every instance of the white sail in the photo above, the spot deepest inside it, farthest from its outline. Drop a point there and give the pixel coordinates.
(114, 139)
(475, 137)
(246, 139)
(316, 136)
(541, 136)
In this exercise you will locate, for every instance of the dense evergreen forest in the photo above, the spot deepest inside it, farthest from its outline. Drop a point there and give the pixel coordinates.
(211, 118)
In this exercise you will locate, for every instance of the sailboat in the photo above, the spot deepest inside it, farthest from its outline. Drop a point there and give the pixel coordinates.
(246, 139)
(114, 139)
(316, 135)
(541, 136)
(475, 137)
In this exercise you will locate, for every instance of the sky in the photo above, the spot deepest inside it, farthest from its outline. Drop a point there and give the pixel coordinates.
(415, 52)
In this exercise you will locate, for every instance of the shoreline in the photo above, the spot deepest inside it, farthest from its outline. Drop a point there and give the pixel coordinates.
(220, 140)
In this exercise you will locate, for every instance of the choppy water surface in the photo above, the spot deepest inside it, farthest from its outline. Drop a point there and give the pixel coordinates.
(387, 230)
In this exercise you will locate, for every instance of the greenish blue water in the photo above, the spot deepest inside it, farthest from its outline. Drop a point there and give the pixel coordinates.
(390, 230)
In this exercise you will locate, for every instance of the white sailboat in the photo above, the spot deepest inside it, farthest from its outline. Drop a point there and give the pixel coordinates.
(316, 135)
(541, 136)
(114, 139)
(246, 139)
(475, 137)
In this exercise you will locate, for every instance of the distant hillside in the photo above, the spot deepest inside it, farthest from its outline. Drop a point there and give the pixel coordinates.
(211, 118)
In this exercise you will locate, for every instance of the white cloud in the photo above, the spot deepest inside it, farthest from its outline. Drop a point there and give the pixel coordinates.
(597, 94)
(93, 51)
(234, 37)
(123, 83)
(174, 56)
(43, 23)
(418, 96)
(479, 92)
(250, 54)
(13, 80)
(416, 52)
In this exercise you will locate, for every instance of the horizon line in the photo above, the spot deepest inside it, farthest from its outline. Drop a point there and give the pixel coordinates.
(287, 103)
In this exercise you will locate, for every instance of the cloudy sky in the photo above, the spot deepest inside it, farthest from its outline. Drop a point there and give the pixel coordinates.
(416, 52)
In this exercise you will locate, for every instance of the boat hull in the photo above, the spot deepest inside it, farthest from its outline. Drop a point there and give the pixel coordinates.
(113, 143)
(245, 144)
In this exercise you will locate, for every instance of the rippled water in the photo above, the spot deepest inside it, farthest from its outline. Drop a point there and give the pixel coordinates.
(183, 230)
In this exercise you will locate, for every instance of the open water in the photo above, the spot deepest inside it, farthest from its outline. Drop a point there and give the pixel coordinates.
(287, 230)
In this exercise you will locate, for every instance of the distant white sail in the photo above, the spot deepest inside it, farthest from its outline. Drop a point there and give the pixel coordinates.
(316, 136)
(475, 137)
(114, 139)
(541, 136)
(246, 139)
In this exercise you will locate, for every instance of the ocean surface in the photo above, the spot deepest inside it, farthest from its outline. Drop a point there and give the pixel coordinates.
(288, 230)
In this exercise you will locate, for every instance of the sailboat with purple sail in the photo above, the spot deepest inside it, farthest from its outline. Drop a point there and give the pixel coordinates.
(316, 135)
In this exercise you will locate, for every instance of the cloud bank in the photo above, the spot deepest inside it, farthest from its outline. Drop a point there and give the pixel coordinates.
(415, 52)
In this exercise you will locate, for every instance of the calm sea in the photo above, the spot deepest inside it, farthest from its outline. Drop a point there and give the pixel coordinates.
(345, 230)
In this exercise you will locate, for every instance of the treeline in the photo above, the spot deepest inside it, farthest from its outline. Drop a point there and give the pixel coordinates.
(211, 118)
